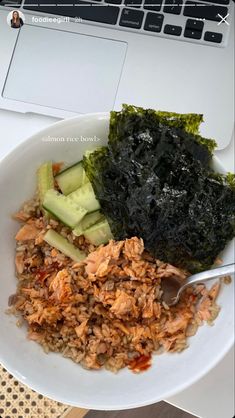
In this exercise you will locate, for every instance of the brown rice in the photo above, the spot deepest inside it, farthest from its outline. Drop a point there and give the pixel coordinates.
(108, 310)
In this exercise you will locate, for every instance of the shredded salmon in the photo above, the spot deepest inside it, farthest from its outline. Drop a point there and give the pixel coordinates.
(140, 364)
(27, 232)
(106, 311)
(61, 286)
(204, 308)
(124, 305)
(21, 216)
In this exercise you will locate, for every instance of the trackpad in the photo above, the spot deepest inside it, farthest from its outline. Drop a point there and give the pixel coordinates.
(65, 70)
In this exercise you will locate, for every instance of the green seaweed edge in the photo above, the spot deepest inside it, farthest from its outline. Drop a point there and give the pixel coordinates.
(189, 122)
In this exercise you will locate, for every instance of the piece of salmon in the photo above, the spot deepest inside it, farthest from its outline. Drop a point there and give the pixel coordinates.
(99, 262)
(21, 216)
(124, 305)
(27, 232)
(204, 308)
(61, 286)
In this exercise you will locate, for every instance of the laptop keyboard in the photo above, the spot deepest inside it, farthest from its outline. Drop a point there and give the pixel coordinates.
(187, 20)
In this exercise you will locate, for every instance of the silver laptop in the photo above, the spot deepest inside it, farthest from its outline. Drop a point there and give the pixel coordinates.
(64, 57)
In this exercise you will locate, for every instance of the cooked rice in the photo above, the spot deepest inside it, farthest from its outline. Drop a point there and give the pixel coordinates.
(106, 311)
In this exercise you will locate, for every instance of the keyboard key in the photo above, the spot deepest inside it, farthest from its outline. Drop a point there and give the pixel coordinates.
(113, 1)
(153, 22)
(194, 24)
(133, 3)
(204, 11)
(172, 6)
(193, 34)
(79, 9)
(131, 18)
(101, 14)
(213, 37)
(193, 29)
(172, 30)
(154, 5)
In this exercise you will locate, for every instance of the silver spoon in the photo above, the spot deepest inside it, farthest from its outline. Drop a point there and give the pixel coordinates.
(172, 288)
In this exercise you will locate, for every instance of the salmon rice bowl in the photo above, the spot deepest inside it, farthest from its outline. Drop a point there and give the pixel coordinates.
(99, 237)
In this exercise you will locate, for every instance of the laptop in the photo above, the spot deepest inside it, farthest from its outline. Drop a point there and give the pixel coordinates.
(67, 57)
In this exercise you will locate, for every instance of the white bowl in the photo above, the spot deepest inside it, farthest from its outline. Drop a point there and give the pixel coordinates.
(57, 377)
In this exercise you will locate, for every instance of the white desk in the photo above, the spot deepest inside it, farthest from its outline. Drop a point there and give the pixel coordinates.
(210, 397)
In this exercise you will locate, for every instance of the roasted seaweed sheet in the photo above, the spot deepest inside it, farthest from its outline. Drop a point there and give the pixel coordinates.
(154, 180)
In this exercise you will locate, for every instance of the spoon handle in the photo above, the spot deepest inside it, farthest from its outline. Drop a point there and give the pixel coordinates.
(211, 274)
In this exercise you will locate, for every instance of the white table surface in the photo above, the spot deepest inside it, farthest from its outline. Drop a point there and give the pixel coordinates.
(213, 395)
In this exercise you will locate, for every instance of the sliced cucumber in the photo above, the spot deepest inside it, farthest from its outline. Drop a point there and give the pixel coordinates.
(89, 220)
(85, 197)
(99, 233)
(71, 178)
(65, 210)
(62, 244)
(85, 179)
(45, 179)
